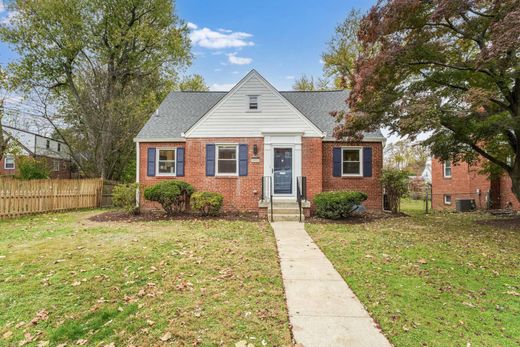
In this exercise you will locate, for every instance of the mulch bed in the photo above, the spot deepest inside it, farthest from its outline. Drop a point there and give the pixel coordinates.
(152, 216)
(367, 217)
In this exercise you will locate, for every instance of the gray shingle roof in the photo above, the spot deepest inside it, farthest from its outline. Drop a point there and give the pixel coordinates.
(180, 110)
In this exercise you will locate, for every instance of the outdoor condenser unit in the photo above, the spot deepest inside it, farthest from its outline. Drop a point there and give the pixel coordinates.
(465, 205)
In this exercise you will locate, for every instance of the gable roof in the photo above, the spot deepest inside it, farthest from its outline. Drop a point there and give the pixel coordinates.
(180, 111)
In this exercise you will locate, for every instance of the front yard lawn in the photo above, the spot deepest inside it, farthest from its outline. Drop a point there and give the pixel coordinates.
(66, 279)
(432, 280)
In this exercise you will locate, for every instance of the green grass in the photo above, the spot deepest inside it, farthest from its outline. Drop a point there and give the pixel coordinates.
(204, 282)
(413, 207)
(431, 280)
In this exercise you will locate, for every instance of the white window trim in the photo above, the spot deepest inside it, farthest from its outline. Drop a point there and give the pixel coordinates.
(444, 169)
(13, 161)
(217, 145)
(257, 103)
(157, 173)
(360, 149)
(54, 163)
(445, 201)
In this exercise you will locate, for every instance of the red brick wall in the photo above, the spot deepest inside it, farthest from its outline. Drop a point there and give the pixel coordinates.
(369, 185)
(240, 192)
(64, 171)
(312, 161)
(464, 182)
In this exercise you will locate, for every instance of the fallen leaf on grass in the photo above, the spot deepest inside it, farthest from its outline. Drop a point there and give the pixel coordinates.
(76, 283)
(166, 337)
(7, 334)
(150, 322)
(81, 342)
(43, 344)
(513, 293)
(41, 315)
(422, 261)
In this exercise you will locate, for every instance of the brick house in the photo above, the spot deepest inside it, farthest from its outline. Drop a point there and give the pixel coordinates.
(27, 143)
(463, 181)
(255, 142)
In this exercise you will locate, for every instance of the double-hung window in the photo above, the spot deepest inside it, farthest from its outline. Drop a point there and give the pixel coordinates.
(9, 162)
(352, 161)
(166, 161)
(447, 169)
(55, 165)
(447, 199)
(227, 160)
(253, 102)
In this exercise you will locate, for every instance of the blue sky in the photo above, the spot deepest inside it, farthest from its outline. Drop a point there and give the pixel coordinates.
(281, 39)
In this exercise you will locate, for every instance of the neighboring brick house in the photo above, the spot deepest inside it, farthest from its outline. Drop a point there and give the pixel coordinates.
(27, 143)
(463, 181)
(238, 142)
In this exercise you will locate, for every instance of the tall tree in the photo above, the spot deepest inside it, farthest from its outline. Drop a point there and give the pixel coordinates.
(343, 51)
(108, 64)
(449, 67)
(407, 156)
(305, 83)
(193, 83)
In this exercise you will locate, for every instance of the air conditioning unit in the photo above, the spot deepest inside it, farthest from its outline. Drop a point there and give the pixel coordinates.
(466, 205)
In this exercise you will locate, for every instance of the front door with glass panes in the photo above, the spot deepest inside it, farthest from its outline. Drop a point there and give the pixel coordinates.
(283, 171)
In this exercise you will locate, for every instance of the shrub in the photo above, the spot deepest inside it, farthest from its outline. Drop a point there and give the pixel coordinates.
(123, 197)
(395, 183)
(207, 203)
(172, 195)
(30, 168)
(336, 205)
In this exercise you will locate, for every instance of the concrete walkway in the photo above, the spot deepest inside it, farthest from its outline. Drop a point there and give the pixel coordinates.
(323, 311)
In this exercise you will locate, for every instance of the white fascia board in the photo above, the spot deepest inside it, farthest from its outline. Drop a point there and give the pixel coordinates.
(173, 139)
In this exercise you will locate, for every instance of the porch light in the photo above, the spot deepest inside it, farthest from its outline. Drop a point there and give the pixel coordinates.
(255, 150)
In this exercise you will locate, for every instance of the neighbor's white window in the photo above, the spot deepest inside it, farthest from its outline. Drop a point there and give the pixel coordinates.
(55, 165)
(447, 199)
(166, 161)
(227, 159)
(447, 168)
(9, 162)
(253, 102)
(352, 163)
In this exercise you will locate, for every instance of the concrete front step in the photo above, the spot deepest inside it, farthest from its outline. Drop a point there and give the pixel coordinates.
(287, 217)
(285, 210)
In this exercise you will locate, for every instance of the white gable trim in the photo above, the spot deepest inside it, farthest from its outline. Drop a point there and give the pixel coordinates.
(252, 73)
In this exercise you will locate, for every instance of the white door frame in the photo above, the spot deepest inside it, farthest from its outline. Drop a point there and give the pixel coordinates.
(283, 140)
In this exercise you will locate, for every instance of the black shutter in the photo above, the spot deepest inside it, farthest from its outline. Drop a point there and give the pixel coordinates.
(367, 161)
(242, 160)
(180, 162)
(151, 162)
(210, 159)
(336, 162)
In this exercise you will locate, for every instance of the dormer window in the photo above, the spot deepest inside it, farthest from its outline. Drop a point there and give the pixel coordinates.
(253, 102)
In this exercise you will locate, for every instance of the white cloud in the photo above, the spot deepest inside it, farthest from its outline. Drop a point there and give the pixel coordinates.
(8, 18)
(289, 77)
(221, 87)
(222, 38)
(233, 59)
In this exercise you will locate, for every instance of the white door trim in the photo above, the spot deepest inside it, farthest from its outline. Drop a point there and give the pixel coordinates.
(283, 140)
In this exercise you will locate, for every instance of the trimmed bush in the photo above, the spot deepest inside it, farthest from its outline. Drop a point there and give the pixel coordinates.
(337, 205)
(30, 168)
(207, 203)
(395, 182)
(173, 195)
(123, 197)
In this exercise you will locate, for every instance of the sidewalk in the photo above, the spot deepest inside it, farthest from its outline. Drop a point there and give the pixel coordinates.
(323, 311)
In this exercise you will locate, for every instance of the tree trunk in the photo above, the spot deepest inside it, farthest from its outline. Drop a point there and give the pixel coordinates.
(3, 142)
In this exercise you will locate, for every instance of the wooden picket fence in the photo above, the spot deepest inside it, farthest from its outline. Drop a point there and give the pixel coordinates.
(19, 197)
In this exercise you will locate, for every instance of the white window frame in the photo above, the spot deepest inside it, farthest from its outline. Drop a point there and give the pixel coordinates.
(12, 159)
(360, 150)
(165, 174)
(446, 202)
(257, 109)
(56, 165)
(217, 158)
(444, 169)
